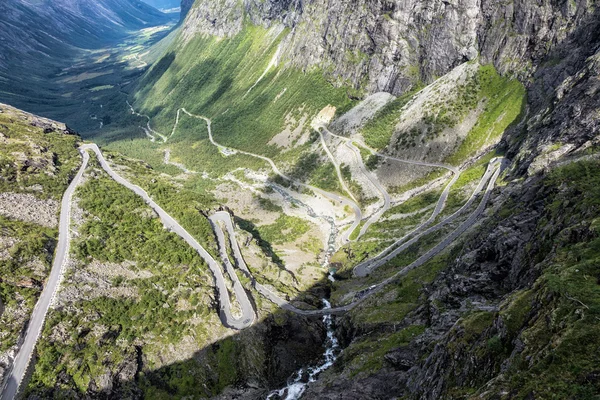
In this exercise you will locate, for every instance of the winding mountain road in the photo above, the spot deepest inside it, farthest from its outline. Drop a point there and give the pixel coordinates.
(36, 322)
(493, 172)
(363, 269)
(41, 309)
(248, 314)
(366, 267)
(172, 225)
(332, 196)
(148, 129)
(387, 201)
(336, 165)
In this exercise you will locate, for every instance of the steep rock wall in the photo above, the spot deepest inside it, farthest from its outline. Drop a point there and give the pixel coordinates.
(392, 45)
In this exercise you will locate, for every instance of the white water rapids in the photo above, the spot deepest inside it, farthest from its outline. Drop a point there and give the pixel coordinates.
(301, 378)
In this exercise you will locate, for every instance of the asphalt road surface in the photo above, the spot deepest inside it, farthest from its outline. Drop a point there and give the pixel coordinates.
(363, 269)
(494, 169)
(38, 316)
(387, 201)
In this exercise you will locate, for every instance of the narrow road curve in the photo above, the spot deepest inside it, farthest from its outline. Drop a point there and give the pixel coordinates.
(248, 314)
(387, 202)
(332, 196)
(174, 125)
(494, 169)
(451, 168)
(23, 357)
(148, 129)
(15, 377)
(238, 289)
(365, 268)
(369, 175)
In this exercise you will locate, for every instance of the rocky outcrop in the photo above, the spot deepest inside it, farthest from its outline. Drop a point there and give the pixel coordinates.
(24, 118)
(28, 208)
(564, 103)
(391, 45)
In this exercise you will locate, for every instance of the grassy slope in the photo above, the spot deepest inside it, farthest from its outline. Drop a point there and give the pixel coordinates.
(503, 100)
(20, 137)
(559, 318)
(556, 320)
(211, 77)
(379, 130)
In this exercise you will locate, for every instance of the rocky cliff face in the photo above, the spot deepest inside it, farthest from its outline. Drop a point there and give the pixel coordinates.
(392, 45)
(513, 309)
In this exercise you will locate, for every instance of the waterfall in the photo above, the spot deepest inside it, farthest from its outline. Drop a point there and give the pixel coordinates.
(298, 382)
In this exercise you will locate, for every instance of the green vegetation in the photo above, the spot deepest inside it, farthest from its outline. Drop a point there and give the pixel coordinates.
(32, 242)
(105, 240)
(325, 177)
(28, 262)
(153, 306)
(273, 271)
(213, 77)
(31, 158)
(415, 183)
(38, 160)
(499, 102)
(463, 188)
(309, 168)
(567, 294)
(268, 205)
(376, 350)
(372, 162)
(185, 202)
(415, 203)
(389, 309)
(355, 188)
(285, 230)
(504, 103)
(475, 323)
(554, 322)
(557, 320)
(356, 231)
(395, 228)
(379, 130)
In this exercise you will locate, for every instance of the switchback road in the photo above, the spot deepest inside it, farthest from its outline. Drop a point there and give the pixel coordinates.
(61, 254)
(363, 269)
(332, 196)
(493, 172)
